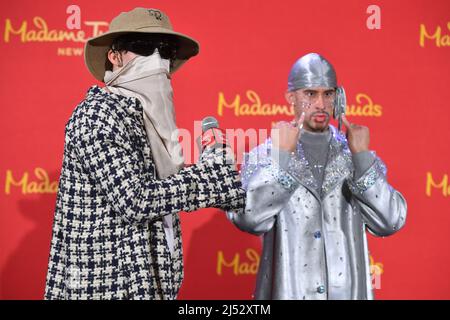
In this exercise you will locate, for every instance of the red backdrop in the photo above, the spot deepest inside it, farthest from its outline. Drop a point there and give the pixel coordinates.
(397, 83)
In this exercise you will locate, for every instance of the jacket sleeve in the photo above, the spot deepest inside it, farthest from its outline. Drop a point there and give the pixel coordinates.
(268, 185)
(108, 158)
(382, 207)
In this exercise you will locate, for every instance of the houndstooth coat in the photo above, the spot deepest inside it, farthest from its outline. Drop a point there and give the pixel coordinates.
(108, 237)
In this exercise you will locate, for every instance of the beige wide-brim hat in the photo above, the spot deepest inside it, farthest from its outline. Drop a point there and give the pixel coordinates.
(138, 20)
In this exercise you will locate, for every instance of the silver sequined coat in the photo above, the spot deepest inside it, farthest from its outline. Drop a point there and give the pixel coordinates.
(314, 241)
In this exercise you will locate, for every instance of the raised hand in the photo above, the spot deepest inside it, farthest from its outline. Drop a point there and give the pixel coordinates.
(358, 137)
(285, 134)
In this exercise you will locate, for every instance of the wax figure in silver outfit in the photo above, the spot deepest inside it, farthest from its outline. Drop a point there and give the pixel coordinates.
(313, 204)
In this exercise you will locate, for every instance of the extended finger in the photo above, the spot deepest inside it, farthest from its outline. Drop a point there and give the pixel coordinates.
(347, 124)
(300, 120)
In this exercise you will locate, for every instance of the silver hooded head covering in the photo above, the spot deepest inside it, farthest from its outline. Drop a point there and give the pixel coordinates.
(311, 70)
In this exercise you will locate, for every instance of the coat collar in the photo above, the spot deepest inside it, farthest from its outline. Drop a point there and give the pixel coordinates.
(130, 104)
(339, 165)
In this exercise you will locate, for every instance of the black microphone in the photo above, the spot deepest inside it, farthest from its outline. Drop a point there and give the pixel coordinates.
(212, 136)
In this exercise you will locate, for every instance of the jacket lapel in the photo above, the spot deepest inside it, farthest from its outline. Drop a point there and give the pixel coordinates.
(298, 167)
(339, 164)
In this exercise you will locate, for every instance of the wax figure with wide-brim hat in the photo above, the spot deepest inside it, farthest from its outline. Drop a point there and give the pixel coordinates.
(116, 231)
(312, 193)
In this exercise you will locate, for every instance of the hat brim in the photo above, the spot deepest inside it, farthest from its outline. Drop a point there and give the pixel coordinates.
(95, 49)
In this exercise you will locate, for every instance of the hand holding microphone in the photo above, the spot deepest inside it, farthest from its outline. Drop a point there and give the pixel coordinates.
(214, 141)
(218, 159)
(212, 136)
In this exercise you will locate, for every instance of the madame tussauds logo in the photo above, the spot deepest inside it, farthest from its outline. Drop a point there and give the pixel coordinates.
(440, 184)
(239, 266)
(252, 105)
(435, 36)
(249, 265)
(38, 31)
(39, 184)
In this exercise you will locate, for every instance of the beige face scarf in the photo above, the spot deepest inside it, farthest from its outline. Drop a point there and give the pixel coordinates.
(147, 78)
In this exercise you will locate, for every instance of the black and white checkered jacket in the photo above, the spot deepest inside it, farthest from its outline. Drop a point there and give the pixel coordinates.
(108, 236)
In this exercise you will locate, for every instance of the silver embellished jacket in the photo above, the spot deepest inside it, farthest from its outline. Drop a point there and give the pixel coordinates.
(314, 241)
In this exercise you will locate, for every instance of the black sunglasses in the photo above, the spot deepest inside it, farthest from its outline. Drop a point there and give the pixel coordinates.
(145, 45)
